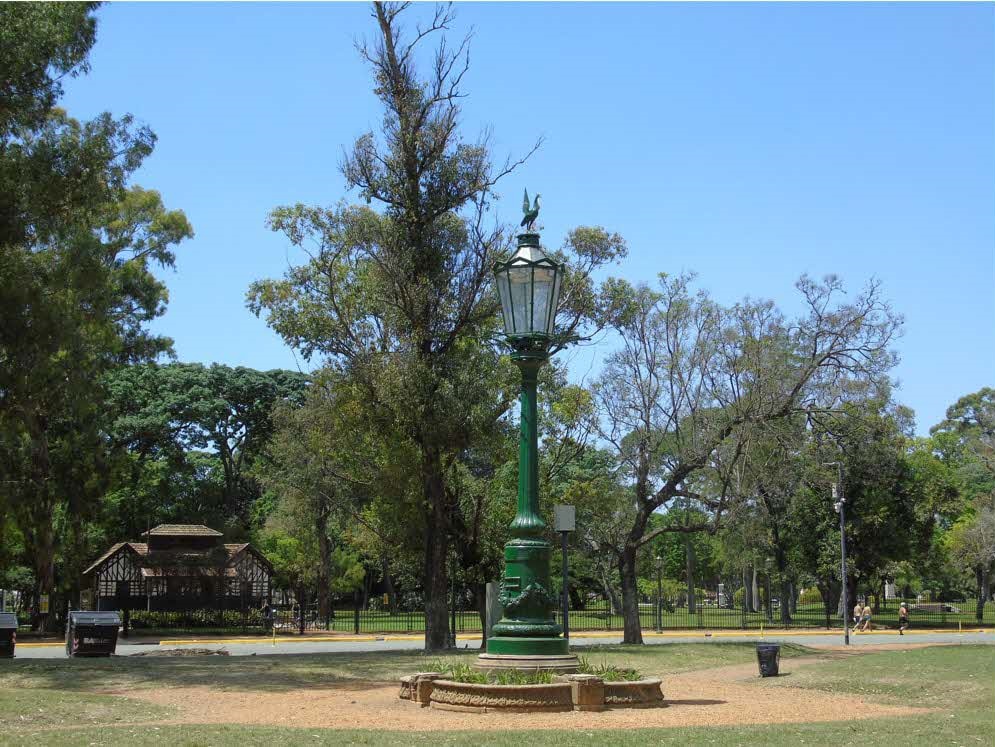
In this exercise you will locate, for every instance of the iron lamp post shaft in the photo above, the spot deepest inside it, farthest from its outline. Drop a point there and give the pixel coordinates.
(841, 509)
(846, 602)
(566, 587)
(527, 521)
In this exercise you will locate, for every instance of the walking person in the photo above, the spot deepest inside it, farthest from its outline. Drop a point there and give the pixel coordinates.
(903, 618)
(865, 620)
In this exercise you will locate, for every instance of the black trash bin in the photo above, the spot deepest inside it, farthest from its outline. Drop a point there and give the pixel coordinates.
(8, 634)
(92, 633)
(769, 658)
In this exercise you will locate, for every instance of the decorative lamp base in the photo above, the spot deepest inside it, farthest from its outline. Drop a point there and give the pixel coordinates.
(527, 646)
(564, 663)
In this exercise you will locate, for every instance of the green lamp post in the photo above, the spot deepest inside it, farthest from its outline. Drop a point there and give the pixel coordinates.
(527, 636)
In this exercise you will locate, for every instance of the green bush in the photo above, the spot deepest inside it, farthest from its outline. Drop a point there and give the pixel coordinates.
(811, 595)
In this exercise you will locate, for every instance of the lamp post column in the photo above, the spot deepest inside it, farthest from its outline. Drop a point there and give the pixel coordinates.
(527, 522)
(527, 626)
(527, 636)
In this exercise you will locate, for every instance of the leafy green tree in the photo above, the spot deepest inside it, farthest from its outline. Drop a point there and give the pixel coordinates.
(972, 546)
(967, 437)
(164, 414)
(692, 381)
(399, 297)
(322, 465)
(42, 44)
(78, 247)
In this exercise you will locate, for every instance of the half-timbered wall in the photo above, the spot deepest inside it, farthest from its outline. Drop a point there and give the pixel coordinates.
(252, 578)
(119, 576)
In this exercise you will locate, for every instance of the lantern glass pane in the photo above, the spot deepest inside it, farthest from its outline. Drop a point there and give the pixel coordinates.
(541, 298)
(554, 301)
(521, 299)
(504, 293)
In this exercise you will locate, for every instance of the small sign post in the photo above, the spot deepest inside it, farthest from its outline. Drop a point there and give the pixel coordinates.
(564, 522)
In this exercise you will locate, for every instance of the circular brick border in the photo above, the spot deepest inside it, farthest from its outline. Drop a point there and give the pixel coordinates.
(579, 692)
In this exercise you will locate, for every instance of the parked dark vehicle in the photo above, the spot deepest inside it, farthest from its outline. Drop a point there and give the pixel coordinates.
(92, 633)
(8, 634)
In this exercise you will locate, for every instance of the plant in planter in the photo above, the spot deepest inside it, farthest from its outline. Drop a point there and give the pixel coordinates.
(608, 672)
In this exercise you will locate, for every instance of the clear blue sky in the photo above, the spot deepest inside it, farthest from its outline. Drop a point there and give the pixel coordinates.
(747, 142)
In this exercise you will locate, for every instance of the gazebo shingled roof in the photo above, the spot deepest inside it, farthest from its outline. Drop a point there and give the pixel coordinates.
(181, 530)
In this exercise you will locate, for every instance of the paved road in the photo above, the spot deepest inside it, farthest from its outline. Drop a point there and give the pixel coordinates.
(304, 646)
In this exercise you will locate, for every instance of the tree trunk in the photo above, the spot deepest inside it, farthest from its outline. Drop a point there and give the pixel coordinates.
(785, 593)
(755, 593)
(436, 551)
(747, 591)
(982, 576)
(324, 564)
(367, 588)
(388, 583)
(785, 585)
(632, 629)
(851, 597)
(44, 563)
(831, 597)
(302, 613)
(768, 602)
(611, 596)
(40, 531)
(689, 562)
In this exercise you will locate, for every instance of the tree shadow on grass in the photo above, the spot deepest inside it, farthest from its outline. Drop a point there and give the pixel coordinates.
(275, 672)
(289, 671)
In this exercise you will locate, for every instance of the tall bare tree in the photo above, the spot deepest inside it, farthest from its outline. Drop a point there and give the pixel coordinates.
(691, 382)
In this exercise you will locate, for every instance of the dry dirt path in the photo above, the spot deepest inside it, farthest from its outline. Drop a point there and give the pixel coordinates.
(714, 697)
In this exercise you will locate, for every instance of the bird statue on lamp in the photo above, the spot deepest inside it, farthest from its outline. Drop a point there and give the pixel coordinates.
(531, 213)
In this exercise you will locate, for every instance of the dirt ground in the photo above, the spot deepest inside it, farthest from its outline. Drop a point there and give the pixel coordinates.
(714, 697)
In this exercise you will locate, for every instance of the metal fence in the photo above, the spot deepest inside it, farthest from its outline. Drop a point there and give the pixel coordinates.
(349, 616)
(602, 615)
(670, 614)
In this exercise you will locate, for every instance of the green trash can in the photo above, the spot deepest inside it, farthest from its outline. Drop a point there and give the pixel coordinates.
(8, 634)
(769, 659)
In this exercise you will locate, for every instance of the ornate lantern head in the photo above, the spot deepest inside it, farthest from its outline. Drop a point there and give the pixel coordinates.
(529, 287)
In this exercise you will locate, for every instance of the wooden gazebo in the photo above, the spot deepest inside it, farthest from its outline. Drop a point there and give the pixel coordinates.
(180, 567)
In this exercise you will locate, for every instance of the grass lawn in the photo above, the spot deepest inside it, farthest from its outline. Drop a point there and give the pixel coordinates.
(57, 701)
(290, 671)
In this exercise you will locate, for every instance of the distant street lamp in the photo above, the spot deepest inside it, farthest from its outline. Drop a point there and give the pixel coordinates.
(528, 285)
(659, 594)
(839, 503)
